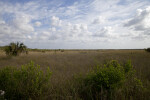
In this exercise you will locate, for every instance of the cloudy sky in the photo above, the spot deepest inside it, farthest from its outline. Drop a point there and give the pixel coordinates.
(76, 24)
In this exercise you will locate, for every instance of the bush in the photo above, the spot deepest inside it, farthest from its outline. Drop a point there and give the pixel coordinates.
(14, 49)
(148, 49)
(110, 81)
(27, 82)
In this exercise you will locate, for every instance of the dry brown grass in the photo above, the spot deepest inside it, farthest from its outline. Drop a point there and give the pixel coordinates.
(65, 64)
(69, 62)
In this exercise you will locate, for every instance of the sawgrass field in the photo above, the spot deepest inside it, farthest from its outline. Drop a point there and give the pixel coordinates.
(67, 66)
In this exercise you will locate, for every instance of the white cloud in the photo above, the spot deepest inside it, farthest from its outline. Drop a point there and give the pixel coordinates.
(55, 21)
(141, 20)
(38, 24)
(29, 37)
(22, 22)
(140, 23)
(76, 27)
(53, 29)
(99, 20)
(104, 32)
(2, 22)
(46, 33)
(84, 27)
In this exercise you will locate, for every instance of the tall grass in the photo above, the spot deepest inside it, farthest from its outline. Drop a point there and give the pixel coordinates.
(71, 68)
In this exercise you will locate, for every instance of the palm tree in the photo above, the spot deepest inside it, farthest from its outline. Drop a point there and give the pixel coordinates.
(14, 49)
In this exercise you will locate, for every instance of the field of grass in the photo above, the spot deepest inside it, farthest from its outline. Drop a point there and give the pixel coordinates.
(65, 64)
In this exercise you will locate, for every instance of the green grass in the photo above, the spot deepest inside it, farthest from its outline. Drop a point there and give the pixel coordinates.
(67, 64)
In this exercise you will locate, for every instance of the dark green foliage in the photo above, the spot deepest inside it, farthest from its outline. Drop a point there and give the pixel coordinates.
(148, 49)
(14, 49)
(105, 82)
(128, 67)
(27, 82)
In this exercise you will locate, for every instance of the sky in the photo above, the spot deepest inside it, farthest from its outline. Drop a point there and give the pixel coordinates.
(76, 24)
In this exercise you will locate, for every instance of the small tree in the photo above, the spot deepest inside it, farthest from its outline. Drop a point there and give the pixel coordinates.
(14, 49)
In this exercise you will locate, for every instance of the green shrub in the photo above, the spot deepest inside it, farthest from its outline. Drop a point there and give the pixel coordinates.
(14, 49)
(132, 87)
(105, 81)
(27, 82)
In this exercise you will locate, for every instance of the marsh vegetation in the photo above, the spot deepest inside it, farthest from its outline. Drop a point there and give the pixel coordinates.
(77, 75)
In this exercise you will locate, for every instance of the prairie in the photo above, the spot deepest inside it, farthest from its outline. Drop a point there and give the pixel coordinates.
(64, 64)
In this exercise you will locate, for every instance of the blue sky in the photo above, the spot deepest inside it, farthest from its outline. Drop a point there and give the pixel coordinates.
(76, 24)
